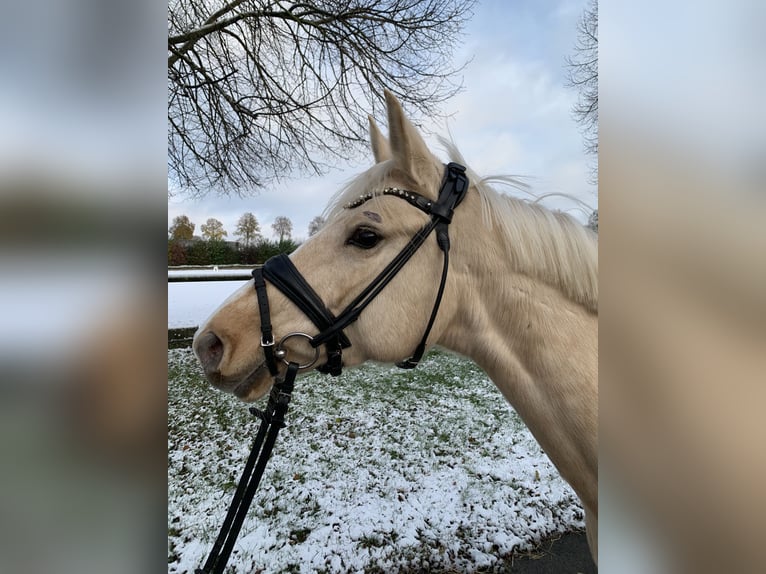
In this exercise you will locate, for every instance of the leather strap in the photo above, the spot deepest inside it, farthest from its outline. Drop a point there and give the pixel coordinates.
(272, 420)
(281, 272)
(450, 197)
(267, 335)
(452, 192)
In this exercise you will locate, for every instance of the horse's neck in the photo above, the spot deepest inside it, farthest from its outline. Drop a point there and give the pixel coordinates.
(541, 350)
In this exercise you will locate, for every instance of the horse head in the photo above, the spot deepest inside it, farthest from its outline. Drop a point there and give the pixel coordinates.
(368, 226)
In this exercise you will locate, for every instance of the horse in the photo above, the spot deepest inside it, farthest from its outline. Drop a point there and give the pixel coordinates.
(520, 298)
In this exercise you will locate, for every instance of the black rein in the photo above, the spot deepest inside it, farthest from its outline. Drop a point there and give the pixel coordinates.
(283, 275)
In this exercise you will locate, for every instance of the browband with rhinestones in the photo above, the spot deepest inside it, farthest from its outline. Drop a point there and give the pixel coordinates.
(414, 198)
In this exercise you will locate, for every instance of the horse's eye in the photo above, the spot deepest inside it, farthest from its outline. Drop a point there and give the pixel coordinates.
(363, 237)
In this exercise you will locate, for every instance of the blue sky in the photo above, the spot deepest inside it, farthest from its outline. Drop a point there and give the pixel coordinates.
(514, 117)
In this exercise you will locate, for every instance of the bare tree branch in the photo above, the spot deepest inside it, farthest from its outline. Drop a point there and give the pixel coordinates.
(258, 89)
(582, 74)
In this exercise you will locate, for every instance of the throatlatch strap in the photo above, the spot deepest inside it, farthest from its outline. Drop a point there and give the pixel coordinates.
(414, 360)
(453, 190)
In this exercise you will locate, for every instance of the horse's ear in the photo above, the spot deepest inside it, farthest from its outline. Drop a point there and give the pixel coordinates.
(380, 148)
(407, 147)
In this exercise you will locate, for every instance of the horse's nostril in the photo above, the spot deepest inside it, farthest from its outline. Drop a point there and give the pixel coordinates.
(209, 350)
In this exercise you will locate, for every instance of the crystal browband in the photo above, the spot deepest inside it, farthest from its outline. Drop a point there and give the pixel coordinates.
(414, 198)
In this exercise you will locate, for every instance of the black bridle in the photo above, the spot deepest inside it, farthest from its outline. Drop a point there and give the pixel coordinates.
(281, 273)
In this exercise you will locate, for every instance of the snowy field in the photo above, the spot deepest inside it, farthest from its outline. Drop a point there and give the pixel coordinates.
(379, 470)
(191, 303)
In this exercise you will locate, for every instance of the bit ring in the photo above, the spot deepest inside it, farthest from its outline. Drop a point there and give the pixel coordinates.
(281, 353)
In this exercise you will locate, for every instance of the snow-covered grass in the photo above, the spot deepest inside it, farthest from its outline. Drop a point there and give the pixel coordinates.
(378, 470)
(190, 303)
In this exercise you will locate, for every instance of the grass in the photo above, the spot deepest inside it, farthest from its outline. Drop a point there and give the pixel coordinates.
(378, 470)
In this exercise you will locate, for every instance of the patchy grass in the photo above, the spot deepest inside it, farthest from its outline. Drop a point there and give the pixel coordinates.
(378, 470)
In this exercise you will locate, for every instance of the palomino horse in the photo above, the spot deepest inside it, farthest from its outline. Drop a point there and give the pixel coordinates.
(520, 299)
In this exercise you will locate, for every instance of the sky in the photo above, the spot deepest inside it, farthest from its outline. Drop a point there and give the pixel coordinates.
(513, 118)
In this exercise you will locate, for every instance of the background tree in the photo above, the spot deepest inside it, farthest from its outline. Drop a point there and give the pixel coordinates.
(258, 89)
(582, 74)
(197, 253)
(220, 253)
(213, 230)
(315, 225)
(181, 228)
(264, 249)
(176, 253)
(267, 249)
(283, 228)
(248, 229)
(593, 221)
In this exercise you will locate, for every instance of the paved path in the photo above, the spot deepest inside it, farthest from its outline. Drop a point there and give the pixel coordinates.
(566, 555)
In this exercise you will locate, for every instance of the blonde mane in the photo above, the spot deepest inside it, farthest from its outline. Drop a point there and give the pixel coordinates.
(549, 245)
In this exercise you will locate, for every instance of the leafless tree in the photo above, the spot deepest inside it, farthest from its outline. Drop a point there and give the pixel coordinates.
(282, 227)
(248, 228)
(582, 74)
(593, 221)
(260, 88)
(316, 224)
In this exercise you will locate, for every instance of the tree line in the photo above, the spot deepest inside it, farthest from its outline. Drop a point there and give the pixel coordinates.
(184, 248)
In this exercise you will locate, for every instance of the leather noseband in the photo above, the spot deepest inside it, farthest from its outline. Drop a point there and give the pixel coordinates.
(283, 275)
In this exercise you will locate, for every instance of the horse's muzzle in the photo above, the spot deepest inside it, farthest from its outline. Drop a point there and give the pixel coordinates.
(209, 350)
(249, 386)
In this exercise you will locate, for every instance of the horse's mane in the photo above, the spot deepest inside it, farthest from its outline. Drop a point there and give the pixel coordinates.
(549, 245)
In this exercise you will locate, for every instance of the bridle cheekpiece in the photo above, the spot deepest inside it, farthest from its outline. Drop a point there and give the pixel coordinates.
(283, 275)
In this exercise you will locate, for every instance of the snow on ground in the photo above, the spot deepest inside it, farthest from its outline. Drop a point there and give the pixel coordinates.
(190, 303)
(378, 470)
